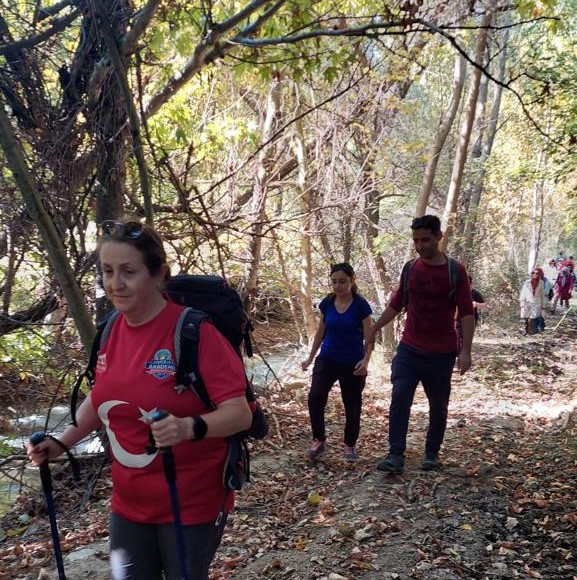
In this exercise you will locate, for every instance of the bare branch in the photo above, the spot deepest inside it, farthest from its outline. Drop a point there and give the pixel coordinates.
(280, 130)
(120, 71)
(58, 26)
(404, 26)
(485, 71)
(49, 11)
(34, 314)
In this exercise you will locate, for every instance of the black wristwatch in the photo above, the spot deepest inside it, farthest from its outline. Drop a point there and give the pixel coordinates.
(199, 428)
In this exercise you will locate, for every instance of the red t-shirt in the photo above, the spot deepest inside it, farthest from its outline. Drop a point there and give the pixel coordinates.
(430, 324)
(135, 375)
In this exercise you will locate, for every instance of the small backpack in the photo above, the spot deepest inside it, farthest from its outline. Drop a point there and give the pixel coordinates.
(207, 298)
(454, 271)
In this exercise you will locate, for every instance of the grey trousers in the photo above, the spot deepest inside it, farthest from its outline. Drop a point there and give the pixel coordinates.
(150, 551)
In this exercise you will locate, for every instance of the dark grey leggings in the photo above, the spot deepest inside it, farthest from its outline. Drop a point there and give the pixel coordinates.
(325, 374)
(150, 551)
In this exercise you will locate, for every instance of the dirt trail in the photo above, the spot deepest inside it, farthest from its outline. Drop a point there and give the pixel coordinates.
(504, 505)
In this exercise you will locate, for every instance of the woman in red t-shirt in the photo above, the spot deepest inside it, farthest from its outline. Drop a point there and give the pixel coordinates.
(136, 376)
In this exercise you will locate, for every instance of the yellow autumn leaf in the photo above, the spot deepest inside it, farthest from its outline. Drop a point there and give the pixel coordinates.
(314, 498)
(300, 544)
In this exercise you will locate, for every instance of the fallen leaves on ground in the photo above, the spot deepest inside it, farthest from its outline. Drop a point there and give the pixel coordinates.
(503, 506)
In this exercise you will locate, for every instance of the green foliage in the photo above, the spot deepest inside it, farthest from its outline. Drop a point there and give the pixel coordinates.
(26, 350)
(207, 151)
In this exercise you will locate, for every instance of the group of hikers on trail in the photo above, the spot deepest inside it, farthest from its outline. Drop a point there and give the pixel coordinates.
(168, 421)
(435, 291)
(548, 286)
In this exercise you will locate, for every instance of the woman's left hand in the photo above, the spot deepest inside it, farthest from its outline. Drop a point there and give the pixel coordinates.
(170, 430)
(360, 369)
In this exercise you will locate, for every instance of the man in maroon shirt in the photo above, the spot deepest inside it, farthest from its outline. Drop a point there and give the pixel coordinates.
(429, 344)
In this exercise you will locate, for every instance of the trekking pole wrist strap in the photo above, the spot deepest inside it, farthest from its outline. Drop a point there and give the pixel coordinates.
(199, 428)
(73, 463)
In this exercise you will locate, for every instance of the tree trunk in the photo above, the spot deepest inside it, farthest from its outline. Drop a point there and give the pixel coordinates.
(537, 209)
(305, 288)
(290, 290)
(449, 221)
(443, 129)
(54, 246)
(125, 95)
(259, 195)
(490, 128)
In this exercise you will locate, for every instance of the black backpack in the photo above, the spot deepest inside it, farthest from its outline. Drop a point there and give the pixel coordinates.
(207, 298)
(453, 268)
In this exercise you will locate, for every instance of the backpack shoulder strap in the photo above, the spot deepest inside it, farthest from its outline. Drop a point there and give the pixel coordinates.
(103, 330)
(405, 282)
(186, 340)
(454, 270)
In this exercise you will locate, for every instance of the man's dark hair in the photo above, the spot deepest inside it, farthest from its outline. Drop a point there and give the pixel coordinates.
(427, 222)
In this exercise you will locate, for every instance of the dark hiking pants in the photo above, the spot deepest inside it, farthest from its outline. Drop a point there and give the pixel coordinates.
(409, 367)
(325, 373)
(144, 551)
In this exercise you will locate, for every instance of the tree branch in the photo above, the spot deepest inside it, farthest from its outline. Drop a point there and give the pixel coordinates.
(36, 313)
(120, 71)
(49, 11)
(485, 71)
(58, 26)
(208, 50)
(280, 130)
(139, 25)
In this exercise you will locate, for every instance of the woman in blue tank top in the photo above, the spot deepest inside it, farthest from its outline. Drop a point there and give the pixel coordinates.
(344, 357)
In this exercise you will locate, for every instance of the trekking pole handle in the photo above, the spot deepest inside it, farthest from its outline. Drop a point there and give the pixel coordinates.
(159, 414)
(39, 436)
(36, 438)
(166, 452)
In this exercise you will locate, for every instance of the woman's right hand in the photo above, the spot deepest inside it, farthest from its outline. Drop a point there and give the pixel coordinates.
(305, 364)
(45, 450)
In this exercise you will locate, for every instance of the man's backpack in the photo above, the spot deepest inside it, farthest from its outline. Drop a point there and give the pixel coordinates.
(454, 271)
(207, 298)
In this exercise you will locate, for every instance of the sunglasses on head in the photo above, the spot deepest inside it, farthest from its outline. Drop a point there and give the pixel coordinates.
(132, 230)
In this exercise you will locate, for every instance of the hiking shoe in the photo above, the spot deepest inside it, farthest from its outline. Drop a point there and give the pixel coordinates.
(316, 449)
(430, 462)
(392, 463)
(350, 453)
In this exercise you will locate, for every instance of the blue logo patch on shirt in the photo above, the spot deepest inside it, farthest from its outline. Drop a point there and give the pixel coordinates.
(162, 367)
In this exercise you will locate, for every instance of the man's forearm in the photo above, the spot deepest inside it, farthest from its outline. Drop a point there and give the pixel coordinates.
(468, 329)
(384, 319)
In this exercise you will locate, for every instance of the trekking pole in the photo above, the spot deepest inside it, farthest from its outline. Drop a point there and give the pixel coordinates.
(562, 318)
(46, 480)
(170, 475)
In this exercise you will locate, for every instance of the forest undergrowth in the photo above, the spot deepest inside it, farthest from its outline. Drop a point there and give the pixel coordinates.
(503, 506)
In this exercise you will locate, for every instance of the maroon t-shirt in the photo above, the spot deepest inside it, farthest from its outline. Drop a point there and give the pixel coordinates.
(135, 375)
(430, 324)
